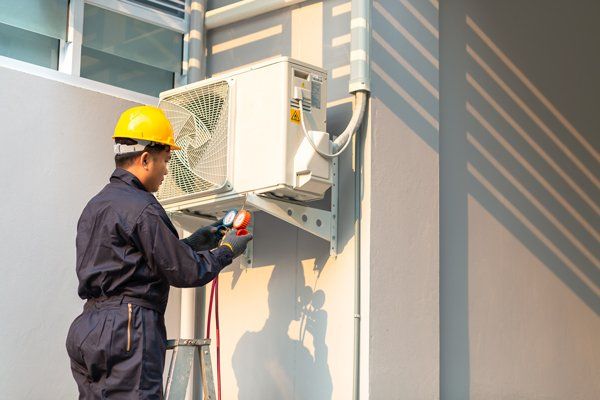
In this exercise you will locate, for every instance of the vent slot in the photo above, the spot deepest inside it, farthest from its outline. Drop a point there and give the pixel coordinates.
(301, 74)
(306, 106)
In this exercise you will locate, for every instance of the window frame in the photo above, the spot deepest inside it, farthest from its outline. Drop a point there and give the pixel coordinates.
(69, 61)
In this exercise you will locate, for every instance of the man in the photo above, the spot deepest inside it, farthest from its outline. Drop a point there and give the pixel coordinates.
(128, 254)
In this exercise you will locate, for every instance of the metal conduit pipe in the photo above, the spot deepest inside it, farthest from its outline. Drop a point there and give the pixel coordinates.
(243, 10)
(197, 41)
(358, 112)
(193, 299)
(360, 81)
(360, 85)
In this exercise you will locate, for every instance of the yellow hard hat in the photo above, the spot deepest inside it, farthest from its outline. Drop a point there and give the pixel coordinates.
(146, 123)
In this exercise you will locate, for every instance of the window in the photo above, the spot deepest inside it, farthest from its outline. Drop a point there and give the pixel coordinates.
(31, 30)
(126, 52)
(133, 44)
(29, 46)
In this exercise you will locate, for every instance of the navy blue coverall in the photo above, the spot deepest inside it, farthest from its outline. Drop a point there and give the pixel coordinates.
(128, 253)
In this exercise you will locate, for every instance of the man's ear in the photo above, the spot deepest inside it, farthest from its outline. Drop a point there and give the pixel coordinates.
(145, 159)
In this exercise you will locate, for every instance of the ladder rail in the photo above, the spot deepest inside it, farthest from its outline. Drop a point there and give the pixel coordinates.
(181, 366)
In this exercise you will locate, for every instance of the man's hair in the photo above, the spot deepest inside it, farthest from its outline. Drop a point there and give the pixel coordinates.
(125, 160)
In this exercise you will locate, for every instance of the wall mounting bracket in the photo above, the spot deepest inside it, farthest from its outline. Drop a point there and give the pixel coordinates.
(321, 223)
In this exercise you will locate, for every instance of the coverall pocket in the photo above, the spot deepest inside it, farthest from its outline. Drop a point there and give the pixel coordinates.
(92, 334)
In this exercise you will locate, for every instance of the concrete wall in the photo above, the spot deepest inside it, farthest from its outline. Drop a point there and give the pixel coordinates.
(404, 196)
(520, 199)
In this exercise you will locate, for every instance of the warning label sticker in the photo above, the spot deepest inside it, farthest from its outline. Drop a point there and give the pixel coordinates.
(295, 115)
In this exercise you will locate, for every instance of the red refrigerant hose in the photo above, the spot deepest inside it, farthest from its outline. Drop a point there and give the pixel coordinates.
(214, 294)
(240, 223)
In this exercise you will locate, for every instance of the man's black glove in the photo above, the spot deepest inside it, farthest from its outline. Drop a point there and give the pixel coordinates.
(205, 238)
(237, 244)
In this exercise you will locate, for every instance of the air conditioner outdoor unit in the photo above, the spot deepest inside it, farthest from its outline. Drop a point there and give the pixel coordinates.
(240, 134)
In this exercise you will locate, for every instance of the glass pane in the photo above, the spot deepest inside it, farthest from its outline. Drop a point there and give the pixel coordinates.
(132, 39)
(172, 7)
(117, 71)
(28, 46)
(46, 17)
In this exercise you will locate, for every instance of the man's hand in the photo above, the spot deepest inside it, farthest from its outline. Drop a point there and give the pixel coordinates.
(237, 244)
(205, 238)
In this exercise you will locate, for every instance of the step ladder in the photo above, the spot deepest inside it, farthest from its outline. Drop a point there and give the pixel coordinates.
(181, 366)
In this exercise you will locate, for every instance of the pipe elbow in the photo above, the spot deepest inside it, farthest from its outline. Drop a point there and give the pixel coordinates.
(358, 113)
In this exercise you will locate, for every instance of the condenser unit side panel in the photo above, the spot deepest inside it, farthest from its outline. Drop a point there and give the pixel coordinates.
(260, 126)
(313, 82)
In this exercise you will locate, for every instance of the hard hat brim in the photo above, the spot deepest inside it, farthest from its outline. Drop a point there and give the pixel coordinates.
(172, 146)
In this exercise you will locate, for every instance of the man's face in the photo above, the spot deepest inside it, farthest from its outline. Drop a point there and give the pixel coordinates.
(157, 169)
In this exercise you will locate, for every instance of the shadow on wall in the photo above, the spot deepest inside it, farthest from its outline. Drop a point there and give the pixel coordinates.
(506, 146)
(256, 39)
(269, 364)
(288, 357)
(531, 168)
(405, 65)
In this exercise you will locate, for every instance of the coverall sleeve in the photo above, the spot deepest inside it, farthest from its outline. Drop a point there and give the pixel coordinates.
(164, 252)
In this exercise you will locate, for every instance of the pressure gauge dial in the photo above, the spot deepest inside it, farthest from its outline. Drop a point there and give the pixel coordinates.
(229, 218)
(242, 219)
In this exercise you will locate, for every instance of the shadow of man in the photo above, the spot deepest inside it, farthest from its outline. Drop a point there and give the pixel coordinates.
(269, 364)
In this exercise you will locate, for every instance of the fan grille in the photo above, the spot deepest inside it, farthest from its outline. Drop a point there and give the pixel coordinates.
(200, 121)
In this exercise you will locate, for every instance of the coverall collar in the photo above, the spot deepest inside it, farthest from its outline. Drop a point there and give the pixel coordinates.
(128, 178)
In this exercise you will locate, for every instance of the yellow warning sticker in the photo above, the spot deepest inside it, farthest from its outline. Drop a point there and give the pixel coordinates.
(295, 115)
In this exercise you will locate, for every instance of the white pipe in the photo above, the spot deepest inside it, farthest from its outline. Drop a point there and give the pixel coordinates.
(187, 324)
(360, 36)
(340, 143)
(197, 41)
(187, 328)
(192, 299)
(360, 85)
(243, 10)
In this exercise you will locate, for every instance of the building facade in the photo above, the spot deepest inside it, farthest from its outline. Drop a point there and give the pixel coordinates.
(480, 196)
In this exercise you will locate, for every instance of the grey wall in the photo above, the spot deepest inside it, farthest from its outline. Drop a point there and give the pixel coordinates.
(404, 190)
(519, 163)
(57, 156)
